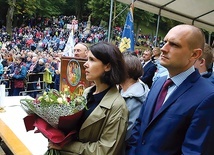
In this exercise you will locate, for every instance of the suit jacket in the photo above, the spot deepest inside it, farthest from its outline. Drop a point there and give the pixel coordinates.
(103, 132)
(183, 125)
(148, 72)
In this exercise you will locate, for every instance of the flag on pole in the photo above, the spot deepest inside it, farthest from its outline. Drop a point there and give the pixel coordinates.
(69, 47)
(127, 40)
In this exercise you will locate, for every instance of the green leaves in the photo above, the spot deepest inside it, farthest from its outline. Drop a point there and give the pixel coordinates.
(45, 8)
(100, 11)
(52, 152)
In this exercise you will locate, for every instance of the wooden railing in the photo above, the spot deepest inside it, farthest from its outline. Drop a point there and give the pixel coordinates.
(7, 83)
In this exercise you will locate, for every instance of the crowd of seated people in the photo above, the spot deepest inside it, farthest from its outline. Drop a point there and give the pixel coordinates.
(35, 65)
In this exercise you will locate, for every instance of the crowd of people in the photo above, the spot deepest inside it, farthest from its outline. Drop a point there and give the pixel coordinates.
(44, 38)
(39, 47)
(29, 68)
(149, 103)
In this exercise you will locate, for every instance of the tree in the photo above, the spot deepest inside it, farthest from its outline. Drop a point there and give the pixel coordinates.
(9, 16)
(142, 17)
(3, 8)
(100, 11)
(46, 8)
(167, 24)
(76, 7)
(80, 8)
(31, 9)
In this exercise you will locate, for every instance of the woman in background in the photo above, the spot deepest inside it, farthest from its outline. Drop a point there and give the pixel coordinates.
(133, 90)
(18, 76)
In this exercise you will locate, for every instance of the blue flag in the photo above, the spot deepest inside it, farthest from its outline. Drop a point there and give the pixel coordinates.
(127, 40)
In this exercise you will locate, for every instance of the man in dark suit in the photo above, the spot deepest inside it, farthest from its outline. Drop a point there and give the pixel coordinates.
(149, 68)
(184, 123)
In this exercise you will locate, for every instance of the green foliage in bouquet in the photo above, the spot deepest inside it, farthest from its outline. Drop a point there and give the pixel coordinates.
(52, 152)
(53, 104)
(62, 98)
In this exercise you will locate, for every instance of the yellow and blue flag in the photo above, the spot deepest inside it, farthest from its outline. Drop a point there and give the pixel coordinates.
(127, 40)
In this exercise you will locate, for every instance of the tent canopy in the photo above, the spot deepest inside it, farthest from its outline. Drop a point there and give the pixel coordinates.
(195, 12)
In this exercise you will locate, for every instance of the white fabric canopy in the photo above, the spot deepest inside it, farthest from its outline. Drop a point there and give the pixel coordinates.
(195, 12)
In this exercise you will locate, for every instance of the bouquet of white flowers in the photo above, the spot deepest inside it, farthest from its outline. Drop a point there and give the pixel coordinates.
(55, 114)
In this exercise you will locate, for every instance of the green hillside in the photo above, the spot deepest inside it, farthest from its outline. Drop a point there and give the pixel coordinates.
(151, 30)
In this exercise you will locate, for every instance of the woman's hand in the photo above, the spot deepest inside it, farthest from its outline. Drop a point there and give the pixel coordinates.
(53, 146)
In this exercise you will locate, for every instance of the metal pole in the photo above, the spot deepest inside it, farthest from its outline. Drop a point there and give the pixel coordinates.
(157, 28)
(110, 19)
(124, 9)
(209, 38)
(121, 12)
(115, 8)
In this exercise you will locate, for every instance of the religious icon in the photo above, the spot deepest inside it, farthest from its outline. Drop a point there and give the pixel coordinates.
(73, 72)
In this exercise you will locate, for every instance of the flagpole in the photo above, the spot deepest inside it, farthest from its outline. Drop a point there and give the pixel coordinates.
(127, 40)
(124, 9)
(121, 12)
(110, 19)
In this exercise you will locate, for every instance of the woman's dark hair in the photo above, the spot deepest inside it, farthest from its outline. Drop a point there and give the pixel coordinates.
(133, 66)
(110, 54)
